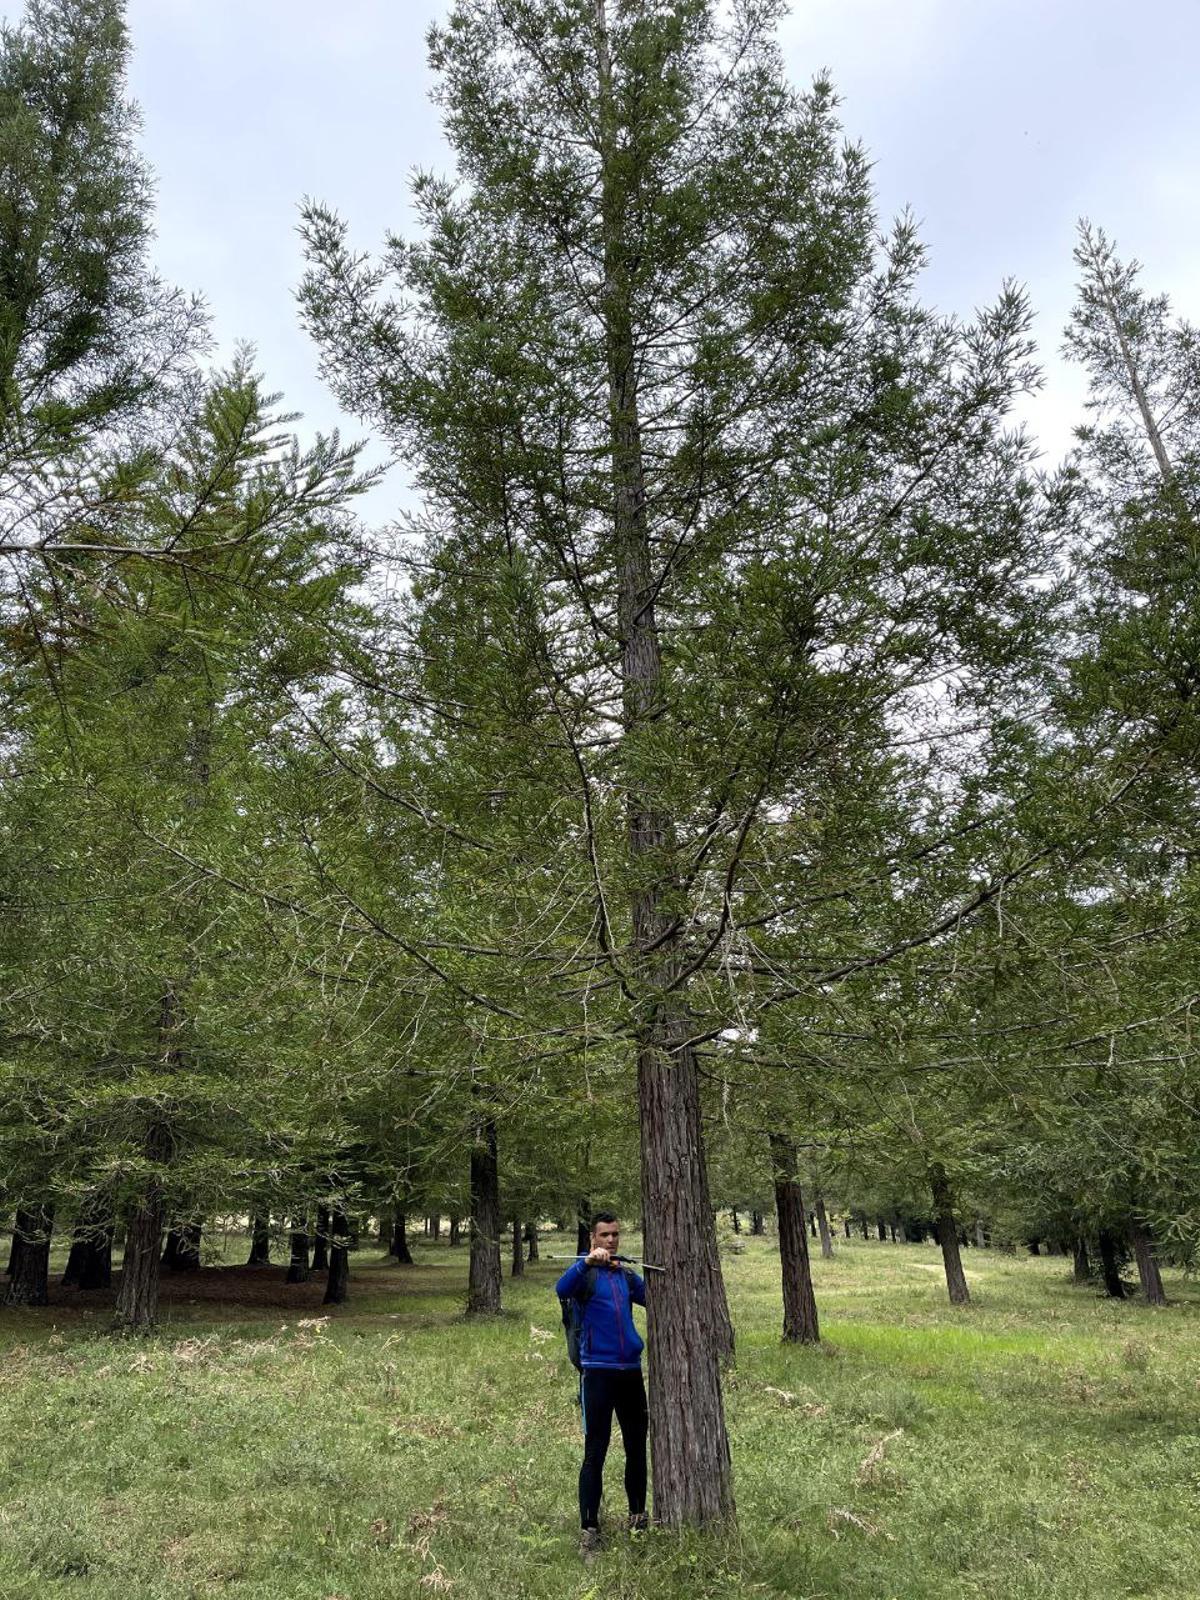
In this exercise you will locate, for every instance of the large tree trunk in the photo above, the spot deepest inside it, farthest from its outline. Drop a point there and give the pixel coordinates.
(483, 1274)
(799, 1303)
(137, 1297)
(823, 1227)
(688, 1322)
(297, 1271)
(1110, 1269)
(947, 1230)
(260, 1243)
(338, 1277)
(320, 1258)
(1083, 1268)
(518, 1249)
(399, 1244)
(1147, 1265)
(531, 1240)
(29, 1281)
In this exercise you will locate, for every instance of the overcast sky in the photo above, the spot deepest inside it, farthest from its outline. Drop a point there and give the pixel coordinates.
(999, 122)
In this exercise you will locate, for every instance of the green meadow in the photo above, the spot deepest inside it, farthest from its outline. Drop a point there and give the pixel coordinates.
(1041, 1442)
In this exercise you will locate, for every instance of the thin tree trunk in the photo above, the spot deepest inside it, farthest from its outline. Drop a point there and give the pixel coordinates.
(947, 1229)
(980, 1234)
(320, 1257)
(1110, 1270)
(531, 1239)
(435, 1227)
(881, 1230)
(1147, 1265)
(483, 1276)
(399, 1245)
(812, 1223)
(260, 1243)
(737, 1221)
(800, 1324)
(901, 1231)
(758, 1224)
(823, 1229)
(29, 1284)
(583, 1226)
(846, 1225)
(297, 1271)
(337, 1282)
(455, 1231)
(518, 1249)
(1083, 1267)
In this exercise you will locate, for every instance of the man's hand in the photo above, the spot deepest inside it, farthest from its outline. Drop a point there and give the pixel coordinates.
(599, 1257)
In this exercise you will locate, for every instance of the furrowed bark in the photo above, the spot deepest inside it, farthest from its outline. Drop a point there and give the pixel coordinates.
(947, 1230)
(688, 1329)
(1147, 1265)
(518, 1249)
(800, 1324)
(29, 1282)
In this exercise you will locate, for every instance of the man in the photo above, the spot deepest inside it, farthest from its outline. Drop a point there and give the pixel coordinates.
(611, 1358)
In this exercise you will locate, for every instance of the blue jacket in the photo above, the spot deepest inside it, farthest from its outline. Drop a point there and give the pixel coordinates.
(609, 1338)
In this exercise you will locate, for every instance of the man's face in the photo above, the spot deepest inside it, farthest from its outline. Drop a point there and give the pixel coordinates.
(607, 1236)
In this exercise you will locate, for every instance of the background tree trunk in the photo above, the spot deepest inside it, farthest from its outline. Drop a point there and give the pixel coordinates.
(518, 1249)
(137, 1296)
(337, 1282)
(800, 1323)
(1110, 1269)
(297, 1271)
(947, 1230)
(531, 1239)
(583, 1226)
(980, 1234)
(260, 1243)
(89, 1265)
(399, 1245)
(483, 1275)
(758, 1224)
(29, 1281)
(1147, 1265)
(1083, 1267)
(320, 1257)
(455, 1233)
(823, 1228)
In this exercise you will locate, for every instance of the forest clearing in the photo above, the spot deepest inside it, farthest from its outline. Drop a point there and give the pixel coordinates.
(1040, 1442)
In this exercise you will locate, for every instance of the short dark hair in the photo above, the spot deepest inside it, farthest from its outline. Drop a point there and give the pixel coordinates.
(602, 1216)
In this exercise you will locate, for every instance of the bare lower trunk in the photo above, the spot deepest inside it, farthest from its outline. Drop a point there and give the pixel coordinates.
(29, 1280)
(1082, 1272)
(823, 1227)
(518, 1249)
(260, 1243)
(737, 1221)
(483, 1278)
(980, 1233)
(337, 1282)
(758, 1224)
(399, 1243)
(1110, 1267)
(846, 1225)
(455, 1232)
(320, 1258)
(89, 1265)
(137, 1297)
(297, 1271)
(531, 1240)
(583, 1227)
(947, 1230)
(435, 1227)
(800, 1323)
(1147, 1265)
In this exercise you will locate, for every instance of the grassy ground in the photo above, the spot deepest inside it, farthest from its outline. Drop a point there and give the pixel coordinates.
(1041, 1442)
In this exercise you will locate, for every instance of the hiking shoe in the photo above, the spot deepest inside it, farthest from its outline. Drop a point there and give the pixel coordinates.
(590, 1544)
(639, 1522)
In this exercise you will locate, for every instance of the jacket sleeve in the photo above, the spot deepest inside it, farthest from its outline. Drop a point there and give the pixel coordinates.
(637, 1288)
(568, 1285)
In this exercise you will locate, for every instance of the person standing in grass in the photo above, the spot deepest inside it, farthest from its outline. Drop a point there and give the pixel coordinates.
(610, 1358)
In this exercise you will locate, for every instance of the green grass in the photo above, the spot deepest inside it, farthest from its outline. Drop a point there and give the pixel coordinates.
(1040, 1442)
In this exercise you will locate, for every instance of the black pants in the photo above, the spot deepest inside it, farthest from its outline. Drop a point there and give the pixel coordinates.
(604, 1391)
